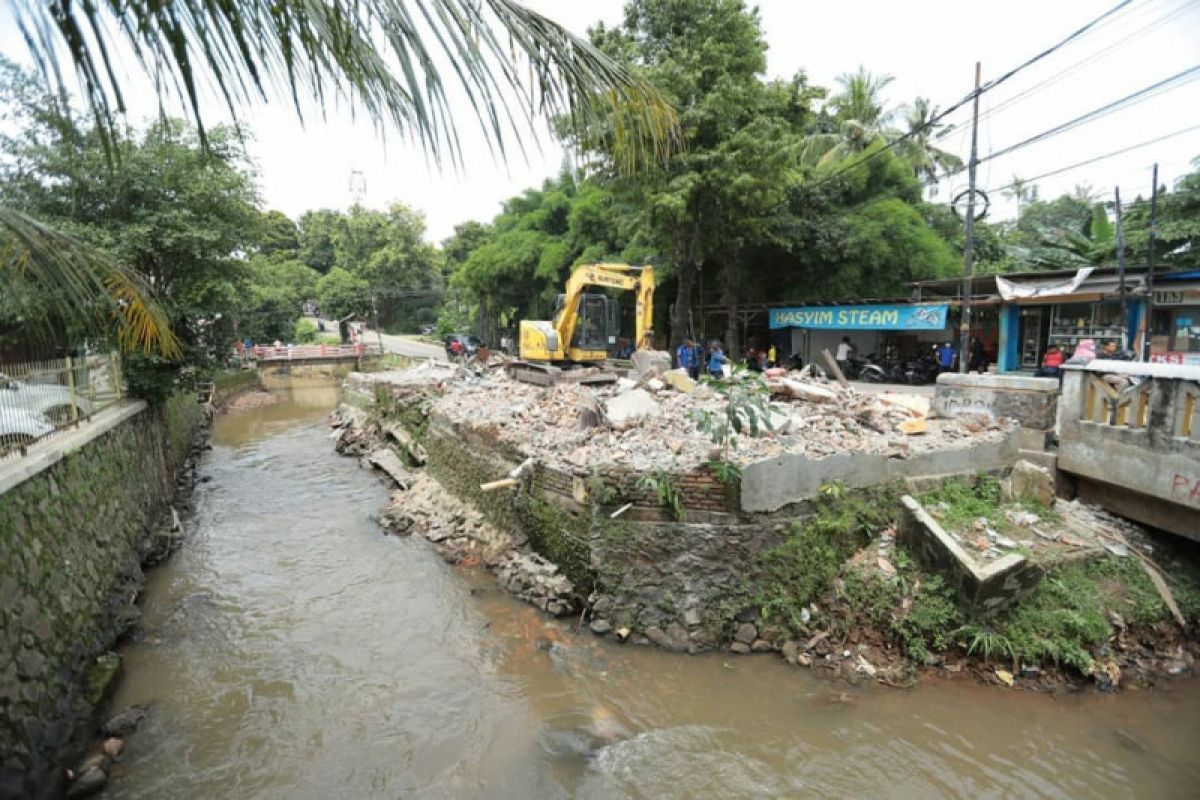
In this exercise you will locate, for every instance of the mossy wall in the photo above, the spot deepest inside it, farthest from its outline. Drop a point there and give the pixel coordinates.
(69, 556)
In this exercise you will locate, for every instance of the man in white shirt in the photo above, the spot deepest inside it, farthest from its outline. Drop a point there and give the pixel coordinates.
(844, 351)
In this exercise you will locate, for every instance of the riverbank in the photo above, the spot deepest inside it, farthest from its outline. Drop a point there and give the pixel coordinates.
(824, 584)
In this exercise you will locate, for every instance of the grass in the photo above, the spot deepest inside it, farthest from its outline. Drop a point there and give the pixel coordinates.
(957, 504)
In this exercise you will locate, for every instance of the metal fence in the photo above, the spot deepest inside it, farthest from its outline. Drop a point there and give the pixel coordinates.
(41, 398)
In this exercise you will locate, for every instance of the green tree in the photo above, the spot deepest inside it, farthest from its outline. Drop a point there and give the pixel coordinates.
(928, 161)
(278, 235)
(316, 50)
(316, 233)
(340, 293)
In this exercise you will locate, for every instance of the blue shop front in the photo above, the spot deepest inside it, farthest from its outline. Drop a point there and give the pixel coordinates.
(890, 331)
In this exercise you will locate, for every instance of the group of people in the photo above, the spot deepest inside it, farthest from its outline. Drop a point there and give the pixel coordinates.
(1054, 357)
(946, 356)
(696, 359)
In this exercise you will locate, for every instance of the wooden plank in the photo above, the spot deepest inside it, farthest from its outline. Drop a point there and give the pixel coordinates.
(834, 368)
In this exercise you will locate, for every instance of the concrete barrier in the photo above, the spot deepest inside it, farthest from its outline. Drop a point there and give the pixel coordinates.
(987, 588)
(1032, 402)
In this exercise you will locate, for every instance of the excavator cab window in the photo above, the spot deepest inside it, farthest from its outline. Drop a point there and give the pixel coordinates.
(592, 330)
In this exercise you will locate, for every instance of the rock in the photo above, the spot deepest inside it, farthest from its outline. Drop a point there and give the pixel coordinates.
(679, 380)
(600, 627)
(101, 676)
(865, 667)
(761, 646)
(1029, 481)
(631, 408)
(88, 783)
(645, 361)
(1005, 677)
(622, 634)
(746, 633)
(386, 460)
(126, 722)
(803, 660)
(113, 746)
(912, 427)
(790, 651)
(655, 385)
(807, 391)
(741, 648)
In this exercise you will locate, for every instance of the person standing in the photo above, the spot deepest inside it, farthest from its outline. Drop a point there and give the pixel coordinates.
(698, 362)
(685, 355)
(945, 357)
(716, 361)
(772, 356)
(978, 360)
(844, 351)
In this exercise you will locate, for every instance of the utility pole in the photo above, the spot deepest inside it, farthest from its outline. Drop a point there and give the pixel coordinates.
(1149, 321)
(964, 338)
(1121, 274)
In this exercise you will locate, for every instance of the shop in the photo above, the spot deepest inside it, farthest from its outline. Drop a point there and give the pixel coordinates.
(891, 331)
(1175, 319)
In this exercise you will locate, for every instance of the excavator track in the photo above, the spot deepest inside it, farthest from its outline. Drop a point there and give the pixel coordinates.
(549, 375)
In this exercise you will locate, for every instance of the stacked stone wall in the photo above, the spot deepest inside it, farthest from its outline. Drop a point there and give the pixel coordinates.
(71, 539)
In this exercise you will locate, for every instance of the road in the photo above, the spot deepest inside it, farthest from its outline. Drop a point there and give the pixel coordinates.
(405, 346)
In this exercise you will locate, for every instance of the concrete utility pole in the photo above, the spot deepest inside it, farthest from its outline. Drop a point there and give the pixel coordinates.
(964, 338)
(1125, 340)
(1147, 324)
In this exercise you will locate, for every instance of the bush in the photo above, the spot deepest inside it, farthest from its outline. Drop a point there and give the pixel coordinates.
(305, 331)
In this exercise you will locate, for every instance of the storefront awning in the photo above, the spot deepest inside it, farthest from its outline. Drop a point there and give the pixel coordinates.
(1053, 287)
(891, 317)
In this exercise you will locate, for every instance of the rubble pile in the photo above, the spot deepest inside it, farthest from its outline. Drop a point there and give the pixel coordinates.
(460, 534)
(648, 424)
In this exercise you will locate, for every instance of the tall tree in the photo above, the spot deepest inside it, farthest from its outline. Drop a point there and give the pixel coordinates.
(928, 161)
(319, 50)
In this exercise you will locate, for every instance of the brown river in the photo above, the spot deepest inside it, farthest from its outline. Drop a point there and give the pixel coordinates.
(292, 650)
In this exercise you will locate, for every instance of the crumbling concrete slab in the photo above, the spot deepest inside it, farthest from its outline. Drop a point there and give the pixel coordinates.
(986, 588)
(631, 408)
(1032, 402)
(386, 460)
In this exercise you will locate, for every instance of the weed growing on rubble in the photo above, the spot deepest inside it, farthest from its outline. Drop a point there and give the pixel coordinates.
(746, 409)
(727, 472)
(669, 497)
(986, 642)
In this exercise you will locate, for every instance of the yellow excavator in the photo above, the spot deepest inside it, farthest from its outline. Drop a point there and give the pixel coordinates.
(585, 325)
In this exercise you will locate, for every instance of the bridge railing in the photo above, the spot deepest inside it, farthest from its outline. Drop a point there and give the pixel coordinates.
(309, 352)
(1135, 427)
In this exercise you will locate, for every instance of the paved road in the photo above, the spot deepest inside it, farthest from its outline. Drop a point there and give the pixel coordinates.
(406, 346)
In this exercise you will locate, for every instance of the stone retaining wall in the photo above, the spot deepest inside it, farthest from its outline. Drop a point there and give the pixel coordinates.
(1032, 402)
(71, 538)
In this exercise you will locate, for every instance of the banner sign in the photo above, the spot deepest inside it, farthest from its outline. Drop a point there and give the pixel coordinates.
(862, 318)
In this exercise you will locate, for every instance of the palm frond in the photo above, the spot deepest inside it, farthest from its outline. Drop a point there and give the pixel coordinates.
(79, 285)
(511, 64)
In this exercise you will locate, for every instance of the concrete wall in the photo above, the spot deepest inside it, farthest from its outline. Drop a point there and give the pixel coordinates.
(1032, 402)
(1153, 471)
(73, 518)
(776, 483)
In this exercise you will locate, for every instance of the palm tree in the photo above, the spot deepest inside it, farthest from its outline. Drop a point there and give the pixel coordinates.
(510, 63)
(917, 146)
(859, 114)
(1020, 190)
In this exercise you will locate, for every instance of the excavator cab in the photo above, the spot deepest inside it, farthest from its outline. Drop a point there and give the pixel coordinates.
(597, 323)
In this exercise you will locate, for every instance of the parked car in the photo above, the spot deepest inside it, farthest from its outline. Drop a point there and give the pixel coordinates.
(48, 402)
(470, 343)
(19, 427)
(426, 330)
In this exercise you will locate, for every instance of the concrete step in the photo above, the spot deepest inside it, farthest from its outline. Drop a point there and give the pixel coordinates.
(1044, 458)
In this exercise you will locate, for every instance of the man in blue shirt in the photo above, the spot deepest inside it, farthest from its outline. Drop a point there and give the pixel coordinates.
(686, 355)
(945, 356)
(716, 359)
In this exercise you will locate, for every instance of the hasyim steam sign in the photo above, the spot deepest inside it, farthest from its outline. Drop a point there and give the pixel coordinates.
(863, 318)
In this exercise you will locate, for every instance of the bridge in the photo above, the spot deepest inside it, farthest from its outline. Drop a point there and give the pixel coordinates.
(1129, 436)
(286, 355)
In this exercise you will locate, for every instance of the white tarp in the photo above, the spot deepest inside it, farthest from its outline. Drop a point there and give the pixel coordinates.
(1010, 290)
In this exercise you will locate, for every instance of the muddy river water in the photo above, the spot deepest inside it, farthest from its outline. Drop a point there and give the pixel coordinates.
(294, 651)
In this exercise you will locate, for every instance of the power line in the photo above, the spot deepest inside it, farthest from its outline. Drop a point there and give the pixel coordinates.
(1095, 159)
(970, 95)
(1136, 97)
(1074, 67)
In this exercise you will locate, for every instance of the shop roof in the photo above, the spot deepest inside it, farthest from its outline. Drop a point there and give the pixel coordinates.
(1103, 281)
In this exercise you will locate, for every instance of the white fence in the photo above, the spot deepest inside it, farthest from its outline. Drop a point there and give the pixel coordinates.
(40, 398)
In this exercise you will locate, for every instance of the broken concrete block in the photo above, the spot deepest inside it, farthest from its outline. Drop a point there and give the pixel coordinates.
(1030, 481)
(807, 391)
(631, 408)
(679, 380)
(912, 427)
(645, 361)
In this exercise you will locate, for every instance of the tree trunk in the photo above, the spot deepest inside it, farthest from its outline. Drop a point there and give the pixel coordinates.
(681, 311)
(731, 281)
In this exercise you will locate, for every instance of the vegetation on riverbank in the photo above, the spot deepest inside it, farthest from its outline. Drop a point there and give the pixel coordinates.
(838, 578)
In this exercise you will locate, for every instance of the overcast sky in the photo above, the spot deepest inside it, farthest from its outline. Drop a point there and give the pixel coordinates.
(928, 46)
